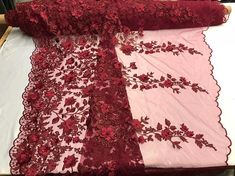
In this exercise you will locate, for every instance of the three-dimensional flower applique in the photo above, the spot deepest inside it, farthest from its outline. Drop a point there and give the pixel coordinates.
(104, 107)
(168, 83)
(117, 65)
(127, 49)
(143, 78)
(70, 77)
(44, 150)
(69, 126)
(69, 161)
(33, 138)
(32, 170)
(107, 133)
(141, 139)
(23, 156)
(133, 66)
(50, 94)
(66, 45)
(137, 124)
(32, 96)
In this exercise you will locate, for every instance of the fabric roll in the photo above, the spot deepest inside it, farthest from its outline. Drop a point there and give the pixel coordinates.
(56, 17)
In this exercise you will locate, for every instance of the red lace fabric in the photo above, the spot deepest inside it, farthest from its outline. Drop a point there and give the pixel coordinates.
(58, 17)
(77, 116)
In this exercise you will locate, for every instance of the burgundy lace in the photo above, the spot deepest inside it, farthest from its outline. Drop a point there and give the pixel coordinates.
(76, 102)
(59, 17)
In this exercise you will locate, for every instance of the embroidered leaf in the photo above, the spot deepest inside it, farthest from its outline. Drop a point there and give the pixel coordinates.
(159, 126)
(162, 78)
(144, 120)
(72, 109)
(183, 139)
(199, 136)
(158, 136)
(85, 102)
(176, 144)
(173, 128)
(199, 144)
(169, 76)
(77, 105)
(55, 120)
(60, 111)
(135, 86)
(167, 122)
(150, 138)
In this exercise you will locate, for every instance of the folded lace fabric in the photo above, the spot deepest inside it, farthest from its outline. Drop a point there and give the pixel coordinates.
(58, 17)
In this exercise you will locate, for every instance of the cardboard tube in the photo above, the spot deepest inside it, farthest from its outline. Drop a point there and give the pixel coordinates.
(2, 19)
(228, 9)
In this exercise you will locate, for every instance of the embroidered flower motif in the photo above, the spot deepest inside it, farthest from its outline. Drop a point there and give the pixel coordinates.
(38, 58)
(33, 137)
(104, 76)
(23, 157)
(69, 161)
(32, 96)
(166, 134)
(137, 124)
(32, 171)
(184, 128)
(67, 44)
(104, 107)
(72, 76)
(49, 94)
(44, 151)
(107, 133)
(127, 49)
(141, 139)
(68, 126)
(168, 83)
(144, 78)
(117, 65)
(51, 165)
(133, 65)
(189, 133)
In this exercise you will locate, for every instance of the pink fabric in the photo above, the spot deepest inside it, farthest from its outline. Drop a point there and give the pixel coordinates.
(198, 110)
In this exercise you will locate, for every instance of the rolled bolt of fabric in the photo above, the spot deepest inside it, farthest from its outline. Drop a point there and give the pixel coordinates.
(55, 17)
